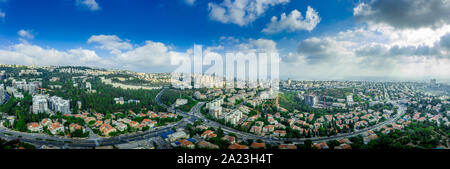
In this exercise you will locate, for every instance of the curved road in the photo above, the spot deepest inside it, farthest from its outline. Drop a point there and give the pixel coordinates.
(190, 117)
(245, 135)
(43, 139)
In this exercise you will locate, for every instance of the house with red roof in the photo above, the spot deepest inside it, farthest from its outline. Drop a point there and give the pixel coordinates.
(106, 129)
(256, 145)
(34, 127)
(208, 134)
(288, 146)
(56, 128)
(230, 139)
(237, 146)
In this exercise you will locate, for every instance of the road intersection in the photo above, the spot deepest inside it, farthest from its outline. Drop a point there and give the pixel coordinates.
(189, 117)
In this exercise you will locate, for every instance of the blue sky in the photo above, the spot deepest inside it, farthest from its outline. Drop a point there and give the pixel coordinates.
(62, 23)
(322, 39)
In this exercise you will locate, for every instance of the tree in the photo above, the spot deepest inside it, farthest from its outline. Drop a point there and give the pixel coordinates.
(21, 125)
(333, 143)
(220, 132)
(307, 144)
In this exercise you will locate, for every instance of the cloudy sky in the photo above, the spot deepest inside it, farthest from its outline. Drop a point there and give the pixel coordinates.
(316, 39)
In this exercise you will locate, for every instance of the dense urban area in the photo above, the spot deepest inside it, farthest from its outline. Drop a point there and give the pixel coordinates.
(68, 107)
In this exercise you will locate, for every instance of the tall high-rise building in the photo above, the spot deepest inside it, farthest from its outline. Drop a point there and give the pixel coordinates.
(216, 111)
(57, 104)
(311, 100)
(29, 87)
(233, 117)
(2, 94)
(40, 104)
(79, 104)
(433, 82)
(2, 75)
(89, 86)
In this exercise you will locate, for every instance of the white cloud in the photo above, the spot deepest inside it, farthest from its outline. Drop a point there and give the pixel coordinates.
(232, 44)
(372, 51)
(317, 50)
(259, 45)
(29, 54)
(26, 34)
(404, 14)
(190, 2)
(150, 54)
(89, 4)
(445, 42)
(2, 14)
(240, 12)
(294, 22)
(110, 42)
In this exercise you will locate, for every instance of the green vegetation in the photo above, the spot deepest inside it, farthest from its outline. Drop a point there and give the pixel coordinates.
(380, 107)
(79, 133)
(356, 98)
(291, 102)
(14, 144)
(103, 100)
(415, 136)
(164, 121)
(20, 108)
(334, 92)
(170, 97)
(133, 80)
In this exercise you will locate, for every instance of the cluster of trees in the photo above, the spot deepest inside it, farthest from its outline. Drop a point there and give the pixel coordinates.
(357, 98)
(170, 97)
(223, 144)
(164, 121)
(79, 133)
(192, 128)
(334, 92)
(380, 107)
(103, 100)
(139, 82)
(13, 144)
(20, 108)
(424, 135)
(187, 107)
(291, 102)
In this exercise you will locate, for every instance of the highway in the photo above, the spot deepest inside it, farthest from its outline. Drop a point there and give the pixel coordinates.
(43, 139)
(269, 139)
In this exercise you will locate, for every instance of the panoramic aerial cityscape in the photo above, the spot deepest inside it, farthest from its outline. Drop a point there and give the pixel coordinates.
(82, 107)
(225, 74)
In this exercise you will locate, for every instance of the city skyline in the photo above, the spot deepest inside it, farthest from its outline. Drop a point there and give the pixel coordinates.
(359, 40)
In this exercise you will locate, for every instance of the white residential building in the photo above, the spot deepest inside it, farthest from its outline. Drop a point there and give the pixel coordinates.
(2, 94)
(29, 87)
(57, 104)
(215, 103)
(40, 104)
(181, 102)
(233, 117)
(216, 111)
(311, 100)
(177, 135)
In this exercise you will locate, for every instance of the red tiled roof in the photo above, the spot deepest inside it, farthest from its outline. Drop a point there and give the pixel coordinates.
(237, 146)
(258, 145)
(288, 146)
